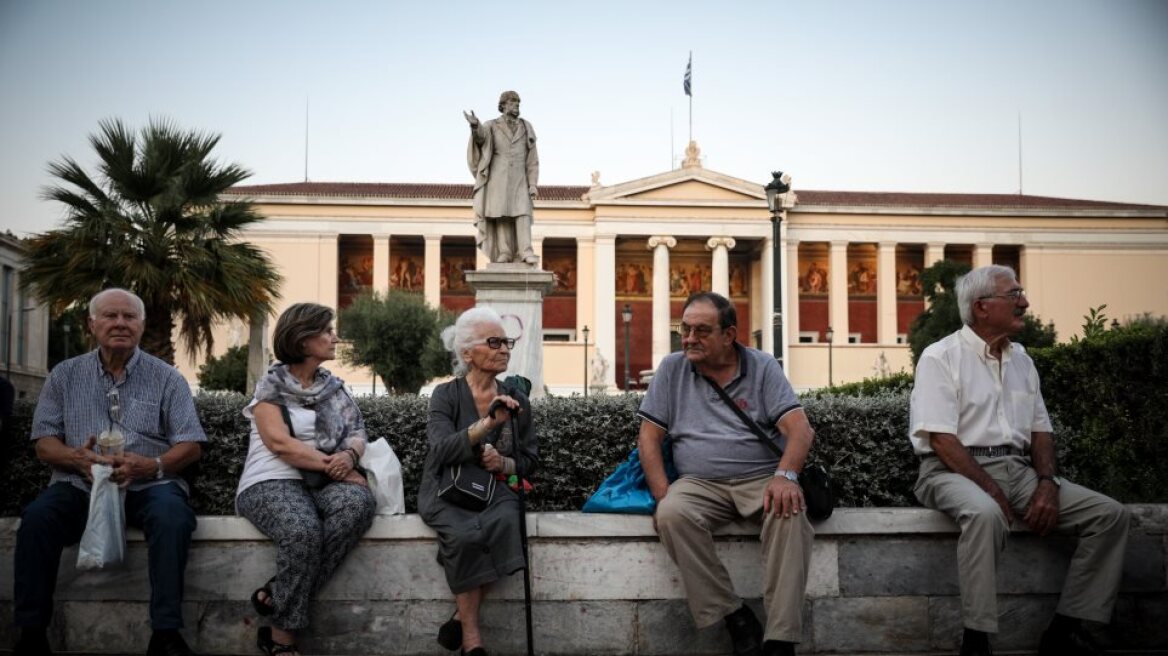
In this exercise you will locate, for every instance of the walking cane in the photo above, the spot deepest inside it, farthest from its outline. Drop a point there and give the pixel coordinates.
(524, 385)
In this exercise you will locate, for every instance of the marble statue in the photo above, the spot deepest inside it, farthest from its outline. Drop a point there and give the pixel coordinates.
(504, 161)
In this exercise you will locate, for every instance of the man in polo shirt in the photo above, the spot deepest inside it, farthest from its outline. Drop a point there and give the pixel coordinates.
(726, 473)
(988, 457)
(116, 389)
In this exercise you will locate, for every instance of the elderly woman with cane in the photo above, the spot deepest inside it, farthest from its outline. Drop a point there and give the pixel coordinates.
(471, 426)
(301, 484)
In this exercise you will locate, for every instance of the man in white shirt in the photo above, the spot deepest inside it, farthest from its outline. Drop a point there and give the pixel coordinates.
(988, 457)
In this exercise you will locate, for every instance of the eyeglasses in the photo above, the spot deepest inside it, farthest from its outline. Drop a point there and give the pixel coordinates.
(115, 408)
(1013, 295)
(698, 331)
(496, 342)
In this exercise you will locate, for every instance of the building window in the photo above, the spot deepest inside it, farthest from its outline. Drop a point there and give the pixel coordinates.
(901, 338)
(808, 336)
(558, 335)
(854, 338)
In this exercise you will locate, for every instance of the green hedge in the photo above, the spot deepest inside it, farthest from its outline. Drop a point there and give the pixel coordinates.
(1108, 397)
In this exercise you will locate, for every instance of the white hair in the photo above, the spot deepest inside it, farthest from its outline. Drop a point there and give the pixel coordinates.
(982, 281)
(461, 336)
(100, 296)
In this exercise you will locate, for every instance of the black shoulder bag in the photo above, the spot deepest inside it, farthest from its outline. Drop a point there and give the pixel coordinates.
(467, 485)
(313, 479)
(814, 479)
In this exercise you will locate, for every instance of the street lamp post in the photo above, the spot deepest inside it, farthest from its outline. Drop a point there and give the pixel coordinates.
(585, 361)
(627, 316)
(67, 328)
(830, 340)
(780, 184)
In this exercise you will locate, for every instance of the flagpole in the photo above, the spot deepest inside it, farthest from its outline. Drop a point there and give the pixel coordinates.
(690, 94)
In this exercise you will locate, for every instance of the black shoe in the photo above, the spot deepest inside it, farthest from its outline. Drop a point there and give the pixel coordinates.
(778, 648)
(168, 643)
(33, 642)
(745, 632)
(450, 634)
(1071, 643)
(975, 643)
(269, 646)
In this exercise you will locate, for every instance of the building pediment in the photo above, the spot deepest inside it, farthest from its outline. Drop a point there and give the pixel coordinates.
(686, 185)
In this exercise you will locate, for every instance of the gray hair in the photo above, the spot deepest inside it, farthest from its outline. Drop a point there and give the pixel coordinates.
(100, 296)
(982, 281)
(461, 336)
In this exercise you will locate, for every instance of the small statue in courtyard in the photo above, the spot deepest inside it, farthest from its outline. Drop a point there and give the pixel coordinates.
(504, 161)
(599, 370)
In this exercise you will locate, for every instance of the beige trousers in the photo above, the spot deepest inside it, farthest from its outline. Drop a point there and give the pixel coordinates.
(1100, 523)
(686, 519)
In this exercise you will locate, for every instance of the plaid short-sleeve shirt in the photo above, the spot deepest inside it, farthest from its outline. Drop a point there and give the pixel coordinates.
(155, 409)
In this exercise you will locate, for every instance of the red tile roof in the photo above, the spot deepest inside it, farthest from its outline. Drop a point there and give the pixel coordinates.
(426, 191)
(979, 201)
(429, 191)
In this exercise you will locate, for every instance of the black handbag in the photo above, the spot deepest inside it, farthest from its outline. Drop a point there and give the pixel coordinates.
(313, 479)
(468, 486)
(814, 479)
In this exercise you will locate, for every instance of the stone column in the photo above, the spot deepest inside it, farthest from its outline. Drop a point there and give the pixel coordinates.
(837, 292)
(433, 259)
(791, 293)
(886, 293)
(537, 248)
(660, 246)
(1030, 277)
(328, 268)
(983, 255)
(381, 263)
(934, 253)
(768, 294)
(481, 260)
(720, 266)
(585, 286)
(604, 310)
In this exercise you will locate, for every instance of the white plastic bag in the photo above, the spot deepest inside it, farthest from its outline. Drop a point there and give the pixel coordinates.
(385, 477)
(104, 542)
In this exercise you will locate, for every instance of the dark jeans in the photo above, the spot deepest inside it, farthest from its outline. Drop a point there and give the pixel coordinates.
(56, 519)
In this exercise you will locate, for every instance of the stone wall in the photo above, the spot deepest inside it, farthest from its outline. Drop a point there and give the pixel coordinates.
(881, 580)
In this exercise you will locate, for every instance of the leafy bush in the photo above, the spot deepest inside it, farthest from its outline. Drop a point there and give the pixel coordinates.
(1108, 396)
(901, 381)
(227, 373)
(397, 335)
(1112, 389)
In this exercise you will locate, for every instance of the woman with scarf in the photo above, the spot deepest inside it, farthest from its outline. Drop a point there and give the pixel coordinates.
(301, 485)
(476, 548)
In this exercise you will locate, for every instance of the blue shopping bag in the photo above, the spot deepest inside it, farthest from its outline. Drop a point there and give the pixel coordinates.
(625, 490)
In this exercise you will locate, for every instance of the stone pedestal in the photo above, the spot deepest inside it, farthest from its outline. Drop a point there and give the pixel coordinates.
(516, 292)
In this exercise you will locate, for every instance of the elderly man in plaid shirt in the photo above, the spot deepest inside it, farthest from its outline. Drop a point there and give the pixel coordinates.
(116, 388)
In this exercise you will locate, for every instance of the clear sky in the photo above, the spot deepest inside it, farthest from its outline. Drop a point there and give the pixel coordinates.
(902, 95)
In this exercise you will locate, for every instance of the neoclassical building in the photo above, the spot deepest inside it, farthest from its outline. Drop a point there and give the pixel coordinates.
(850, 262)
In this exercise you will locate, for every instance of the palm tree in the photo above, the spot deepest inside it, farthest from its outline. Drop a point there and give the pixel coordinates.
(152, 222)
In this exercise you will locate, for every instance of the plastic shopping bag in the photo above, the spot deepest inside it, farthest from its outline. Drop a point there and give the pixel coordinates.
(383, 470)
(626, 490)
(104, 542)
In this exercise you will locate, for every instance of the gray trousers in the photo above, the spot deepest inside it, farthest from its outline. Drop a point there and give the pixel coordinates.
(313, 530)
(686, 519)
(1100, 523)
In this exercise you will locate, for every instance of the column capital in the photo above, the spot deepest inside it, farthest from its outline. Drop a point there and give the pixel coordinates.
(661, 240)
(714, 242)
(840, 244)
(887, 244)
(432, 238)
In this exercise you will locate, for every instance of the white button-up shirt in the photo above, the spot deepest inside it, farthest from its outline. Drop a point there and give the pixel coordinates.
(961, 389)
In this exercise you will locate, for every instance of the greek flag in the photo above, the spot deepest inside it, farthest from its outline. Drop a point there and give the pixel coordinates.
(688, 82)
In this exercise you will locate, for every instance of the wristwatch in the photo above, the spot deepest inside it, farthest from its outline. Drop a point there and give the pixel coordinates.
(1058, 482)
(788, 474)
(159, 474)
